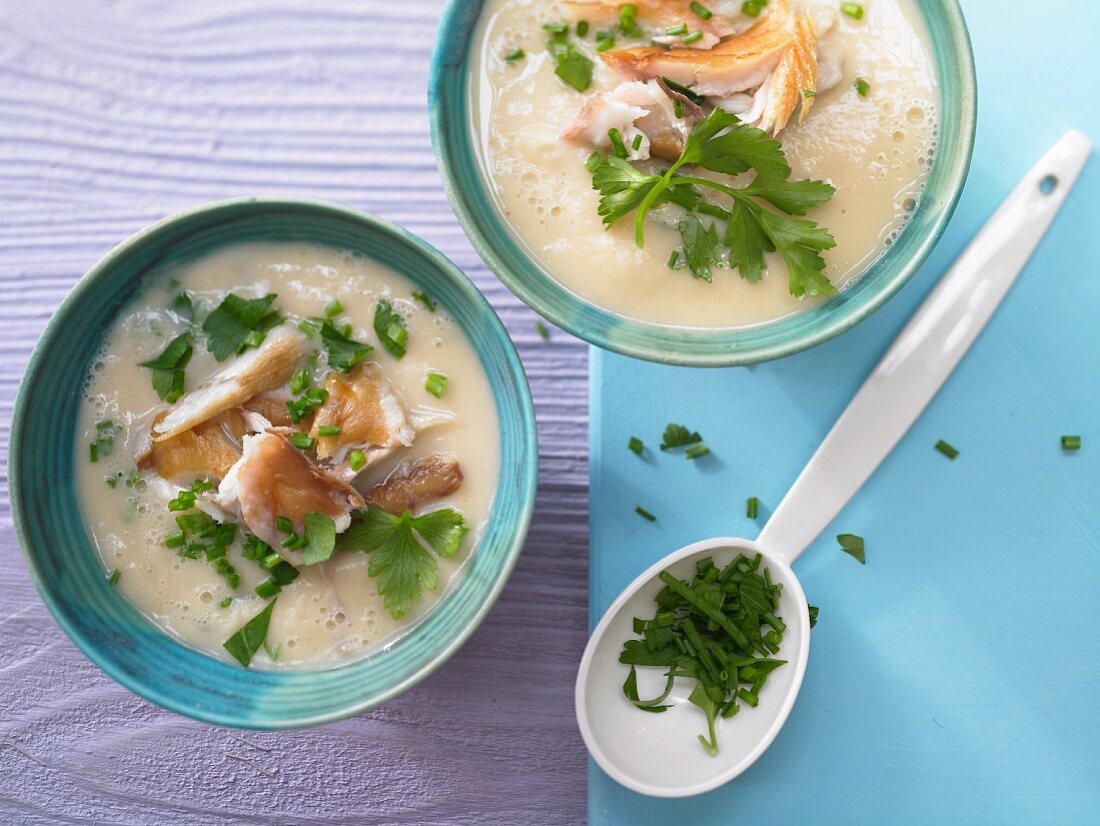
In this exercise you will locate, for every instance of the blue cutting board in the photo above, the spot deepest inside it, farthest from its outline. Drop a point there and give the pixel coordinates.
(956, 677)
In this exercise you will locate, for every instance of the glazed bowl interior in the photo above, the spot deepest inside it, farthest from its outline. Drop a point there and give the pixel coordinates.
(67, 568)
(451, 103)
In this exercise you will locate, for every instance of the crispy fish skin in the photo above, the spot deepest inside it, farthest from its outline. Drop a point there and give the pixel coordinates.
(266, 367)
(210, 448)
(368, 411)
(736, 64)
(272, 478)
(793, 78)
(414, 484)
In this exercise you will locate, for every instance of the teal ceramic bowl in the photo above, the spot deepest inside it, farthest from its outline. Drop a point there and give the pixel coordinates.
(451, 93)
(68, 571)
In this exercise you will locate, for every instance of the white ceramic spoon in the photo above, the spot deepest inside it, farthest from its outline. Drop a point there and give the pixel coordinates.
(658, 754)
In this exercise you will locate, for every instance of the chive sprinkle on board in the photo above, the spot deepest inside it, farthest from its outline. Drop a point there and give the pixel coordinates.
(752, 507)
(636, 445)
(946, 449)
(1071, 443)
(646, 515)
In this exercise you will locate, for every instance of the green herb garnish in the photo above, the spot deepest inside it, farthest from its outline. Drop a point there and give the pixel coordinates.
(424, 299)
(636, 445)
(514, 55)
(390, 329)
(720, 628)
(357, 460)
(544, 333)
(303, 441)
(572, 67)
(328, 430)
(852, 10)
(436, 384)
(696, 450)
(333, 308)
(721, 143)
(812, 610)
(183, 307)
(114, 577)
(1071, 443)
(582, 28)
(605, 41)
(752, 8)
(343, 353)
(646, 515)
(247, 641)
(678, 29)
(168, 368)
(752, 507)
(946, 449)
(320, 537)
(398, 556)
(104, 443)
(852, 545)
(226, 602)
(228, 326)
(676, 435)
(701, 11)
(862, 87)
(694, 37)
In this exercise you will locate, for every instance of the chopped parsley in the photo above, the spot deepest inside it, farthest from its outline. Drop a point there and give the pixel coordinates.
(852, 545)
(183, 307)
(390, 329)
(398, 548)
(676, 435)
(229, 326)
(572, 67)
(343, 353)
(721, 143)
(247, 641)
(320, 538)
(168, 368)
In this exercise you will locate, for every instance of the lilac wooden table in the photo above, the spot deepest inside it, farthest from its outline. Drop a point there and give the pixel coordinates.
(114, 113)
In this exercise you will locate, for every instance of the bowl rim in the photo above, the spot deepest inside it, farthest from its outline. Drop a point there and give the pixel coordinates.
(561, 308)
(152, 692)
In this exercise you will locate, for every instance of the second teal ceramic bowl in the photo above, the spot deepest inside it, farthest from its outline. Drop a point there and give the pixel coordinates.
(451, 93)
(67, 569)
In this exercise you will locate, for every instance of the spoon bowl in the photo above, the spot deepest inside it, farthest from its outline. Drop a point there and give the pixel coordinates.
(656, 754)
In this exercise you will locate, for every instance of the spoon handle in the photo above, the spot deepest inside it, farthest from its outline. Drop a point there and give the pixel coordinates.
(926, 351)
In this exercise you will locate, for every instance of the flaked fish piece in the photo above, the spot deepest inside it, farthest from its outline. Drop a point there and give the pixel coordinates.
(414, 484)
(369, 413)
(264, 368)
(794, 79)
(208, 449)
(635, 108)
(726, 18)
(272, 479)
(737, 64)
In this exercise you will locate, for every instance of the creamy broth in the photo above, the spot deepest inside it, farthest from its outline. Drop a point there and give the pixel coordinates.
(332, 612)
(875, 150)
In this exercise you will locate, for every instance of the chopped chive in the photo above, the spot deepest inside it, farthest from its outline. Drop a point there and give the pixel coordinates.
(694, 37)
(636, 445)
(254, 338)
(673, 259)
(436, 384)
(749, 697)
(604, 41)
(299, 382)
(582, 28)
(752, 8)
(1071, 443)
(637, 143)
(268, 588)
(114, 577)
(752, 507)
(423, 298)
(809, 93)
(334, 308)
(862, 87)
(544, 333)
(93, 451)
(679, 28)
(283, 525)
(356, 460)
(329, 430)
(852, 545)
(174, 539)
(513, 56)
(701, 10)
(303, 441)
(310, 326)
(813, 612)
(557, 31)
(112, 481)
(617, 145)
(853, 10)
(696, 450)
(646, 515)
(345, 330)
(226, 602)
(946, 449)
(628, 18)
(678, 108)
